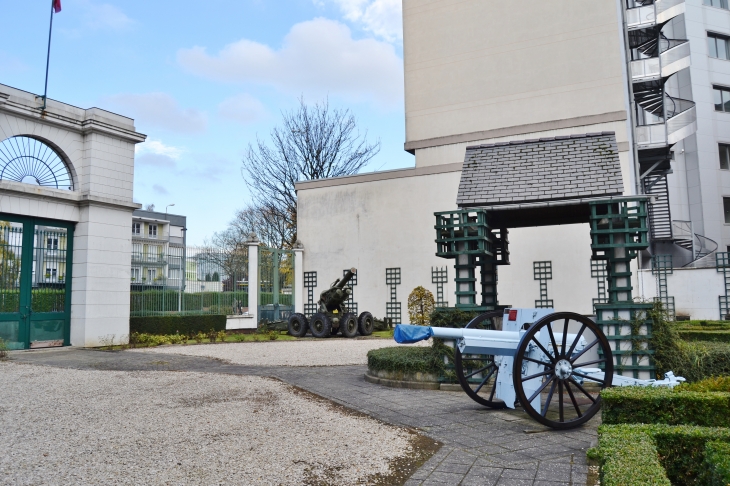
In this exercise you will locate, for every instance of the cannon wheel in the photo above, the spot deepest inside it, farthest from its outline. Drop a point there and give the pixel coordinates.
(298, 325)
(321, 325)
(558, 387)
(471, 365)
(348, 325)
(365, 323)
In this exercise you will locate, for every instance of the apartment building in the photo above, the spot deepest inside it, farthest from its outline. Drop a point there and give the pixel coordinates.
(158, 250)
(653, 76)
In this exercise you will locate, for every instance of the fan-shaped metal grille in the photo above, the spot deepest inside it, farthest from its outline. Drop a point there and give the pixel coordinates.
(25, 159)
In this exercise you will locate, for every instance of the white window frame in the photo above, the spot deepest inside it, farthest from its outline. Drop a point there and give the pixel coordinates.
(152, 231)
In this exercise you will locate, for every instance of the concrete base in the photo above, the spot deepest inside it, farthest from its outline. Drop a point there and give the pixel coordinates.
(240, 322)
(418, 381)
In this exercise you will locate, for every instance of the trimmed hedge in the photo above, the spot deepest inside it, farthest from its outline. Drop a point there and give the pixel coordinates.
(649, 405)
(182, 324)
(717, 464)
(638, 454)
(451, 317)
(703, 335)
(408, 359)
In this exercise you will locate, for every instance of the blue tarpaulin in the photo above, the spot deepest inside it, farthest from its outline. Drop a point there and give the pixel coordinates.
(407, 334)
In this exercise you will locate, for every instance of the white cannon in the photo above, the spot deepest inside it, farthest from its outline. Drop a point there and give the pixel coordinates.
(553, 363)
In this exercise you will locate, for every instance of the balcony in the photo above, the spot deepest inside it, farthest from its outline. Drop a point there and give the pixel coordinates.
(674, 58)
(646, 15)
(681, 123)
(145, 237)
(147, 259)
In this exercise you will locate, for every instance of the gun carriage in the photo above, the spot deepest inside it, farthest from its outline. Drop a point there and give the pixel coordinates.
(553, 364)
(333, 315)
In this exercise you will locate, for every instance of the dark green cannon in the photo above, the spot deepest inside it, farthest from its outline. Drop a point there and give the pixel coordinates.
(333, 315)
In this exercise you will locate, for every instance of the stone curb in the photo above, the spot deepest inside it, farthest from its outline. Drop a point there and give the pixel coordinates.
(413, 385)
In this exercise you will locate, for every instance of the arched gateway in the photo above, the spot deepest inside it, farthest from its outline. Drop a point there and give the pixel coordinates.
(66, 182)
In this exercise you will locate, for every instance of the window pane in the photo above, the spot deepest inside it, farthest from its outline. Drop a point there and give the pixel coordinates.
(722, 48)
(707, 2)
(718, 99)
(723, 4)
(712, 46)
(724, 156)
(726, 100)
(726, 206)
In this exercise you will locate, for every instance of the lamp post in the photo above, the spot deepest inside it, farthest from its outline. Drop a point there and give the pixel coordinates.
(168, 207)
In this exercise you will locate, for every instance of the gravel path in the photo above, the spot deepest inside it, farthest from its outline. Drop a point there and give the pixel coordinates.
(65, 426)
(319, 352)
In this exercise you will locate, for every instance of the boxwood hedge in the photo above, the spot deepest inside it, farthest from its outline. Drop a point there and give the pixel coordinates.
(717, 464)
(174, 324)
(639, 454)
(408, 359)
(649, 405)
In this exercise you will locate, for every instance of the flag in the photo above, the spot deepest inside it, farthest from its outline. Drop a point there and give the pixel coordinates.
(56, 6)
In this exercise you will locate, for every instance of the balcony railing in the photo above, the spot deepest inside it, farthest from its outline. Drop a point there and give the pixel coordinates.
(674, 58)
(650, 14)
(146, 258)
(681, 123)
(146, 237)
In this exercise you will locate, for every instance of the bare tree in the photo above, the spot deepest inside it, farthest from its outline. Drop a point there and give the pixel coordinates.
(313, 142)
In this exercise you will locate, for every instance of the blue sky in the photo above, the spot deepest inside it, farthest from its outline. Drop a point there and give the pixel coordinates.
(202, 79)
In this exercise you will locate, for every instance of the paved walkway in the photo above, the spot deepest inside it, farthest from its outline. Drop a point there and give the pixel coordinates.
(480, 446)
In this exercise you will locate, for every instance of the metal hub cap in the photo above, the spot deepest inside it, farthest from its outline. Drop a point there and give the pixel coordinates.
(563, 369)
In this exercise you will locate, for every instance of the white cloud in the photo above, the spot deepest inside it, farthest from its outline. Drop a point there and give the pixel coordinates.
(159, 110)
(317, 57)
(156, 147)
(383, 18)
(243, 108)
(100, 15)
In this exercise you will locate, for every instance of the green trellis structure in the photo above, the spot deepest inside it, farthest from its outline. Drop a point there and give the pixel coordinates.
(619, 231)
(542, 272)
(661, 267)
(722, 264)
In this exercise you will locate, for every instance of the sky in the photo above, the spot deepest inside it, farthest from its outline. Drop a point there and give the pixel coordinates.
(204, 79)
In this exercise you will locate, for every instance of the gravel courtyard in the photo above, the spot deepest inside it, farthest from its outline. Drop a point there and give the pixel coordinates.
(315, 352)
(69, 426)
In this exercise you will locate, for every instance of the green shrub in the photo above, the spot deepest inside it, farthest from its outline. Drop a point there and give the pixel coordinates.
(702, 335)
(717, 464)
(660, 405)
(273, 335)
(451, 317)
(174, 324)
(239, 337)
(712, 384)
(408, 359)
(3, 349)
(634, 454)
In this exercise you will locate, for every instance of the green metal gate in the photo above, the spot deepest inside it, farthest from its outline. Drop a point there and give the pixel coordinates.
(35, 281)
(276, 284)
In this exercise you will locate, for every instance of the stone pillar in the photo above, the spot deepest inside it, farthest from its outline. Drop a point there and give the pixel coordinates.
(253, 276)
(299, 277)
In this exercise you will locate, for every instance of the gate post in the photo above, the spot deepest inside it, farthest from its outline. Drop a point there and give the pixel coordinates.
(253, 276)
(299, 277)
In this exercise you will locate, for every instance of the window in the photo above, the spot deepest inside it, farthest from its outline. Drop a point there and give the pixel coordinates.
(724, 156)
(52, 244)
(173, 273)
(718, 46)
(135, 274)
(152, 231)
(136, 229)
(722, 98)
(716, 3)
(152, 273)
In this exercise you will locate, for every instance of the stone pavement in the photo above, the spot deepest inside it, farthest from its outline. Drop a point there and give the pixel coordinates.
(480, 446)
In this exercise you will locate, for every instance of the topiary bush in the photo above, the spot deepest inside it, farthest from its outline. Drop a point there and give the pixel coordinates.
(717, 464)
(420, 306)
(174, 324)
(407, 359)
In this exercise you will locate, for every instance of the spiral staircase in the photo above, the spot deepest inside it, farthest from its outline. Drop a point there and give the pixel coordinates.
(662, 120)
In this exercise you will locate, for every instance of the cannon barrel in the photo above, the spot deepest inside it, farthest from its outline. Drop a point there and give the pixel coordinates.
(340, 284)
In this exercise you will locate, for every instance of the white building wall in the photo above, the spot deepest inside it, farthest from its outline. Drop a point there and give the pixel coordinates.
(695, 291)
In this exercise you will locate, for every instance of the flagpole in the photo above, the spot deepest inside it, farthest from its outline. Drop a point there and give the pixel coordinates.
(48, 57)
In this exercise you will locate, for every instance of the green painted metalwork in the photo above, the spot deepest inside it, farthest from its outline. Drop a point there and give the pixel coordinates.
(440, 276)
(310, 282)
(463, 232)
(722, 263)
(542, 272)
(661, 266)
(599, 272)
(35, 281)
(393, 307)
(618, 232)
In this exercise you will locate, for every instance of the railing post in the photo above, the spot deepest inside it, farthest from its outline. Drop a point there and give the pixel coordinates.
(299, 277)
(253, 276)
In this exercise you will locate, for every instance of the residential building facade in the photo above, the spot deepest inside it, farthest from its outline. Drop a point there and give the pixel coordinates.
(158, 250)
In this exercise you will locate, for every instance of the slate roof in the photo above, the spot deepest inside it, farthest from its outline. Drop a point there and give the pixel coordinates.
(537, 170)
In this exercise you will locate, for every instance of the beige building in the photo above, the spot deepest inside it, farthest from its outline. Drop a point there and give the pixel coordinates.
(484, 73)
